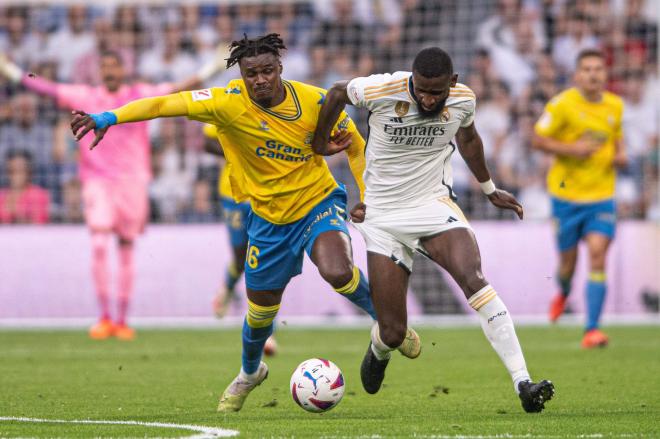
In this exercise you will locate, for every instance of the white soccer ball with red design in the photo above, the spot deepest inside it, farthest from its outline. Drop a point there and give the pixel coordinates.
(317, 385)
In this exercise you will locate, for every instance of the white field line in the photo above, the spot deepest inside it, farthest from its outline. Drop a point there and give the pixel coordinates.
(203, 431)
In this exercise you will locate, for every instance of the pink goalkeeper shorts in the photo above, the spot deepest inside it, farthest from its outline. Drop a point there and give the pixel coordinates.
(119, 206)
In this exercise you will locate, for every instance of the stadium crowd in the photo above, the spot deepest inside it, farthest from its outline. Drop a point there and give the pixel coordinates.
(514, 54)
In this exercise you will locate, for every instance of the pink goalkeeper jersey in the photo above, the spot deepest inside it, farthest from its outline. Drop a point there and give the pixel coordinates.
(124, 152)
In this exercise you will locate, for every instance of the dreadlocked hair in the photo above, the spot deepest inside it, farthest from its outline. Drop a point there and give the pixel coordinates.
(271, 43)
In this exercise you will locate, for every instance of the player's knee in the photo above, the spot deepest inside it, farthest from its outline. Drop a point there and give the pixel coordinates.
(392, 334)
(471, 281)
(100, 243)
(125, 242)
(337, 275)
(597, 261)
(566, 272)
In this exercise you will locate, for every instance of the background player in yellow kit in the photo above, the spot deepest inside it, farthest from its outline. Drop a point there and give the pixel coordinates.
(236, 216)
(581, 127)
(265, 125)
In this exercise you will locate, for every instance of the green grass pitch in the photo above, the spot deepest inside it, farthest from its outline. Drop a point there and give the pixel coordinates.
(456, 388)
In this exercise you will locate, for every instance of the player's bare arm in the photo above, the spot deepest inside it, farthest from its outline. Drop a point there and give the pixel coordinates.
(621, 156)
(142, 109)
(581, 148)
(472, 150)
(358, 212)
(335, 102)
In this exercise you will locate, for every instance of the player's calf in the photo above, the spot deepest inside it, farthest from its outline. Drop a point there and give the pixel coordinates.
(357, 291)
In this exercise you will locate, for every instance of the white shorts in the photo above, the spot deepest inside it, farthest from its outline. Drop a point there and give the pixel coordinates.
(396, 233)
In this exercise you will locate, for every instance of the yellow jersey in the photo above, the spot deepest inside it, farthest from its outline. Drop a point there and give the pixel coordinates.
(569, 117)
(224, 187)
(270, 161)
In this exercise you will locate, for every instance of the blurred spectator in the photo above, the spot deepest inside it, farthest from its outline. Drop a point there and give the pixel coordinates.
(22, 202)
(167, 62)
(578, 37)
(217, 36)
(251, 19)
(19, 44)
(641, 32)
(27, 132)
(71, 210)
(522, 169)
(639, 120)
(295, 59)
(499, 31)
(86, 66)
(343, 32)
(200, 208)
(641, 136)
(71, 42)
(175, 170)
(493, 121)
(515, 65)
(129, 28)
(419, 21)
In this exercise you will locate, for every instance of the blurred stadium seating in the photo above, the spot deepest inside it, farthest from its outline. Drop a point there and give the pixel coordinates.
(513, 54)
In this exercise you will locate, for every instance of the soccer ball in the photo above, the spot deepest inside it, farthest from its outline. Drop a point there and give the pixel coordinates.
(317, 385)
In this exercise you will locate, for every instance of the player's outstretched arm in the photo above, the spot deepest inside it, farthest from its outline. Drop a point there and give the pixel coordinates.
(136, 111)
(16, 75)
(621, 156)
(334, 103)
(581, 148)
(472, 150)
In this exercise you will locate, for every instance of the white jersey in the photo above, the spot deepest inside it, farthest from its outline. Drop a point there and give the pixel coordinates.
(408, 155)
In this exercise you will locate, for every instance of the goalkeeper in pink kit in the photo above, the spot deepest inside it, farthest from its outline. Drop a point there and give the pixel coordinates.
(115, 178)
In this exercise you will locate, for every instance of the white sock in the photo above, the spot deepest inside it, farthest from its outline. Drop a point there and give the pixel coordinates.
(380, 349)
(249, 377)
(498, 327)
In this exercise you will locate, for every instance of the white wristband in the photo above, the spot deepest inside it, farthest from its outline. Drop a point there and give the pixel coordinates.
(488, 187)
(10, 70)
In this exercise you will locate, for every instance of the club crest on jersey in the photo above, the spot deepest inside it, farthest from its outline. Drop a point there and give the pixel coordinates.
(263, 126)
(445, 115)
(233, 91)
(401, 108)
(201, 95)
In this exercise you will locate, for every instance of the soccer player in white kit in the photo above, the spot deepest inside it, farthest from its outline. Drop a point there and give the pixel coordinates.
(409, 204)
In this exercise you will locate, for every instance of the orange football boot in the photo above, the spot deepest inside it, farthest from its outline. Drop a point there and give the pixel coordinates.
(102, 330)
(557, 307)
(594, 338)
(124, 332)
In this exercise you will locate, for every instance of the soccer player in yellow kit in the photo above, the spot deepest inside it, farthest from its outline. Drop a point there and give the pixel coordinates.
(265, 125)
(235, 215)
(581, 127)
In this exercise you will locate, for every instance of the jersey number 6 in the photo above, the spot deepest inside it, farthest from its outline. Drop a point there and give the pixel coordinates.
(252, 260)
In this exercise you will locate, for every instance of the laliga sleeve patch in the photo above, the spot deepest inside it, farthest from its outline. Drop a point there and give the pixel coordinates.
(545, 121)
(202, 95)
